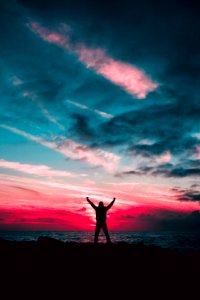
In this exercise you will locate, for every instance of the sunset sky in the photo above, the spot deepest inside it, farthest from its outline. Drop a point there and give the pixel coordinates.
(99, 99)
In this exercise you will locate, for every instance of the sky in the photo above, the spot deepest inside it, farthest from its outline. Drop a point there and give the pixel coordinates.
(99, 99)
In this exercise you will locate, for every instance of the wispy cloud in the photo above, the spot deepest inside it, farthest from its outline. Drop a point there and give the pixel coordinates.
(29, 136)
(82, 106)
(163, 158)
(43, 109)
(130, 78)
(94, 156)
(73, 150)
(197, 135)
(51, 36)
(197, 154)
(39, 170)
(16, 80)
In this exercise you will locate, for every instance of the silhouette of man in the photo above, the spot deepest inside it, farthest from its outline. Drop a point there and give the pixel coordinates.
(101, 211)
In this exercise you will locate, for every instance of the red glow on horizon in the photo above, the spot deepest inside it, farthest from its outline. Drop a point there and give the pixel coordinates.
(30, 203)
(42, 219)
(135, 218)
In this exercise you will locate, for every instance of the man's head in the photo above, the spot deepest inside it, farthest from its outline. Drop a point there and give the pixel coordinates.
(101, 204)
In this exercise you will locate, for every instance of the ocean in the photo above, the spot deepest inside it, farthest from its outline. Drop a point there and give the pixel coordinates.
(166, 239)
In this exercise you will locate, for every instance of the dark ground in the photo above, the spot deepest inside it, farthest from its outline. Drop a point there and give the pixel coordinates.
(50, 267)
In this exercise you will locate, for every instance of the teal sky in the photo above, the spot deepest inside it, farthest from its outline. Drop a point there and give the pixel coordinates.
(96, 100)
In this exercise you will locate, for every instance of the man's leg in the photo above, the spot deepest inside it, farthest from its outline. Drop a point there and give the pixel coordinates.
(105, 230)
(97, 230)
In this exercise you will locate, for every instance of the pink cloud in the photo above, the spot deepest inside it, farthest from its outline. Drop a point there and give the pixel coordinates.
(64, 193)
(197, 152)
(39, 170)
(160, 196)
(50, 36)
(133, 80)
(163, 158)
(94, 156)
(59, 194)
(133, 200)
(130, 78)
(49, 194)
(73, 150)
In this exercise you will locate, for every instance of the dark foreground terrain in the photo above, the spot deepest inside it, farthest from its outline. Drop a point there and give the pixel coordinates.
(50, 267)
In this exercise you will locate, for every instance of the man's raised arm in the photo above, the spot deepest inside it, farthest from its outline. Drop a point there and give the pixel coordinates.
(91, 203)
(109, 205)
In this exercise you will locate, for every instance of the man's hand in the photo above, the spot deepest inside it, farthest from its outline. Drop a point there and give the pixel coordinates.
(113, 198)
(87, 198)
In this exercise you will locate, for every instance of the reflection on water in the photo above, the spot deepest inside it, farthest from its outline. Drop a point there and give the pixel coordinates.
(179, 240)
